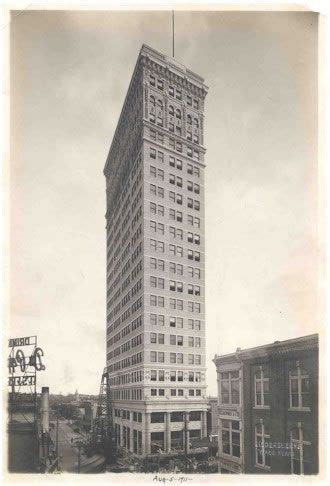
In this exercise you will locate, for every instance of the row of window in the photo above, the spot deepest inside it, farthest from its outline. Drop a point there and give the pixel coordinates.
(159, 375)
(298, 447)
(173, 91)
(175, 340)
(133, 377)
(126, 394)
(175, 358)
(156, 319)
(299, 387)
(159, 301)
(127, 415)
(174, 268)
(173, 161)
(191, 152)
(126, 362)
(160, 392)
(174, 250)
(159, 283)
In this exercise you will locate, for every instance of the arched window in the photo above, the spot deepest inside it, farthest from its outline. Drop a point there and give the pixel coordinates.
(196, 122)
(178, 113)
(160, 104)
(152, 100)
(189, 119)
(171, 110)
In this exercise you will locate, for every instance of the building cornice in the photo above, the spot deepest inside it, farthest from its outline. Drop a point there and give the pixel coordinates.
(278, 348)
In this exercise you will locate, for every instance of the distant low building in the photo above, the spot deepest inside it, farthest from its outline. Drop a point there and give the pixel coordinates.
(268, 408)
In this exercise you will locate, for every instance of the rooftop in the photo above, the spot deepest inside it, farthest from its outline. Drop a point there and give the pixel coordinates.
(304, 342)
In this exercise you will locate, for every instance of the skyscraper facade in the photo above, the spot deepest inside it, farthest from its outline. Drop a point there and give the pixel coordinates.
(156, 259)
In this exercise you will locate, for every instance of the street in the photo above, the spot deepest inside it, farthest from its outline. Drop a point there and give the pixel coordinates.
(67, 453)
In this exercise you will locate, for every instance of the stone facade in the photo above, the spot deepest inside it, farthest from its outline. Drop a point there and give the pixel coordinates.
(156, 259)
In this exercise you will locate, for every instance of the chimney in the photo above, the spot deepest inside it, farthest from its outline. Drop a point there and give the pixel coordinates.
(44, 409)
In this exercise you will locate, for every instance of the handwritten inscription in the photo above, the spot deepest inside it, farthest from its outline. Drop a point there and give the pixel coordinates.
(171, 479)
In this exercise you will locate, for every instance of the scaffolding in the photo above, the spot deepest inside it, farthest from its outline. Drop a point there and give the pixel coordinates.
(103, 437)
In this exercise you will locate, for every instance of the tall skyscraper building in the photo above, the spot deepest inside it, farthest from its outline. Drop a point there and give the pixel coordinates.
(156, 259)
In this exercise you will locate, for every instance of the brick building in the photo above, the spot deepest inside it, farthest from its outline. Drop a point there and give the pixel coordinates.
(268, 408)
(155, 259)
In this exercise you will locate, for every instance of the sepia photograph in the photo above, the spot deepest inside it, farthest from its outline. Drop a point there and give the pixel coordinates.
(165, 266)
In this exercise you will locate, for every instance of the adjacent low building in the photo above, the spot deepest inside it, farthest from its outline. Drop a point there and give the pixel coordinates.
(268, 408)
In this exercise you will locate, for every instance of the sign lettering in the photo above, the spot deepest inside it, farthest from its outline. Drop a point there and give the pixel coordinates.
(22, 380)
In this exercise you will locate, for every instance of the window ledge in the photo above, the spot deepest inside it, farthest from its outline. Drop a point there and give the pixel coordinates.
(299, 409)
(261, 407)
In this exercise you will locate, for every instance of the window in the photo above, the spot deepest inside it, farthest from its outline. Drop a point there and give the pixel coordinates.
(299, 387)
(152, 80)
(153, 208)
(172, 375)
(172, 358)
(180, 375)
(172, 161)
(177, 417)
(152, 134)
(160, 84)
(179, 358)
(198, 359)
(173, 339)
(153, 392)
(190, 341)
(191, 392)
(153, 337)
(180, 392)
(229, 387)
(261, 437)
(153, 375)
(261, 387)
(160, 357)
(191, 359)
(191, 376)
(301, 454)
(153, 356)
(179, 340)
(153, 171)
(153, 189)
(152, 153)
(231, 437)
(157, 417)
(161, 375)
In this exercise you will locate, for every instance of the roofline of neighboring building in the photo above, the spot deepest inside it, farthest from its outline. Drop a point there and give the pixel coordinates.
(179, 68)
(305, 342)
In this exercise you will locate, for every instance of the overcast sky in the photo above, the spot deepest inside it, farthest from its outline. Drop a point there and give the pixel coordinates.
(70, 73)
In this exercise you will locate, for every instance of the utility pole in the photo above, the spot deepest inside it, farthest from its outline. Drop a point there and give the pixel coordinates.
(79, 456)
(58, 462)
(186, 440)
(172, 33)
